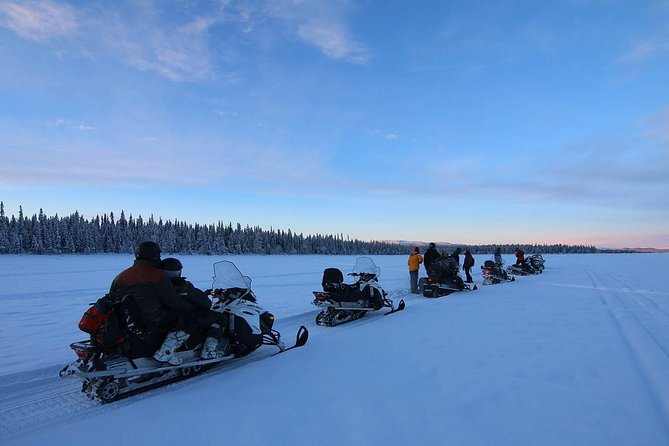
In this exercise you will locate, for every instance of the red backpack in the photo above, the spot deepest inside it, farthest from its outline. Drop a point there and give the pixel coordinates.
(100, 322)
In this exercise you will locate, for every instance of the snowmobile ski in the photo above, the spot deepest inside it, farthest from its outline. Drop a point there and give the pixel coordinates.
(400, 307)
(300, 339)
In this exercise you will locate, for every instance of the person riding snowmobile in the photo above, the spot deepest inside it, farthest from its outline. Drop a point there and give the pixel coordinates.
(456, 256)
(213, 323)
(162, 313)
(498, 257)
(431, 254)
(520, 256)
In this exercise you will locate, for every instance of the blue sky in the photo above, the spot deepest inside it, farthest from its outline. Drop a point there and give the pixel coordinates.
(455, 121)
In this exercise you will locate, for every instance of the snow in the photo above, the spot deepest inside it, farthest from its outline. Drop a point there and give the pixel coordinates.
(578, 355)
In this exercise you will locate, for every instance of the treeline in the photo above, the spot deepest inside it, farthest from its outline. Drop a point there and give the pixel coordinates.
(42, 234)
(528, 248)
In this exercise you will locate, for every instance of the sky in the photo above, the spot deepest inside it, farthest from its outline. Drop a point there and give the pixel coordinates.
(452, 121)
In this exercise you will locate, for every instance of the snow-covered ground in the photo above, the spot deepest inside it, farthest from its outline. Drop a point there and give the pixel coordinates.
(578, 355)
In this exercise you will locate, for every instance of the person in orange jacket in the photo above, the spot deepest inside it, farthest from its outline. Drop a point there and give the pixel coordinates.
(415, 259)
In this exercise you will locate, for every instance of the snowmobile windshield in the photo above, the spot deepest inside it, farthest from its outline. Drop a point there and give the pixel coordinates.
(365, 265)
(226, 276)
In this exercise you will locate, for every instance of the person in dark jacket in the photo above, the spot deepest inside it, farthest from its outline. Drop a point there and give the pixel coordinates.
(160, 307)
(498, 257)
(431, 254)
(215, 345)
(456, 256)
(468, 264)
(520, 256)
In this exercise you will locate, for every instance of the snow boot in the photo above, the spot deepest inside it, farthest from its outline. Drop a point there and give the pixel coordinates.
(214, 349)
(168, 351)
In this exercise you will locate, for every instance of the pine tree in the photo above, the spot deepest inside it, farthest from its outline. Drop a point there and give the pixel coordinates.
(4, 231)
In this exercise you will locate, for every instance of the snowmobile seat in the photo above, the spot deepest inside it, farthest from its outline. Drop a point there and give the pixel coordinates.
(332, 280)
(443, 269)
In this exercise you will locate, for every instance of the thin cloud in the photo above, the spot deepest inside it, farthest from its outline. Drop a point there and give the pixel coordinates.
(74, 125)
(388, 136)
(189, 44)
(332, 41)
(177, 53)
(657, 126)
(323, 25)
(45, 162)
(644, 51)
(38, 20)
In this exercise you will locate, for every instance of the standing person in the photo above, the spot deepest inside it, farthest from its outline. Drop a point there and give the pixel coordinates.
(415, 259)
(468, 264)
(157, 301)
(498, 257)
(520, 256)
(430, 256)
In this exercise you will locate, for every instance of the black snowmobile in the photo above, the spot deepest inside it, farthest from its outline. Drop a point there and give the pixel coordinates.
(493, 273)
(523, 269)
(537, 262)
(343, 302)
(114, 362)
(443, 278)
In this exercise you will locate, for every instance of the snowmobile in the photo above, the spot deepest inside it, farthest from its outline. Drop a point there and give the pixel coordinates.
(523, 269)
(537, 262)
(493, 273)
(343, 302)
(443, 279)
(109, 371)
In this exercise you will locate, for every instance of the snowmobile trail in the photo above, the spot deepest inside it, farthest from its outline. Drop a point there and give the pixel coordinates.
(647, 346)
(36, 400)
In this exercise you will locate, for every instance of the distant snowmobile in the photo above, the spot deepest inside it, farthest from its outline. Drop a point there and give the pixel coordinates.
(524, 269)
(537, 262)
(443, 279)
(109, 372)
(343, 302)
(493, 273)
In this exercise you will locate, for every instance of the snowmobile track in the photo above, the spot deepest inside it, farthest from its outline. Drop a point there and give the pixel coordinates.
(637, 335)
(38, 399)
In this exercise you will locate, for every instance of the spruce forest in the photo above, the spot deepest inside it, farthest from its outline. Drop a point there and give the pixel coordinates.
(74, 234)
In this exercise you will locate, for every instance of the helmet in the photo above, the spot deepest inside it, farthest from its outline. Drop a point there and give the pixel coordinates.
(172, 267)
(148, 251)
(432, 245)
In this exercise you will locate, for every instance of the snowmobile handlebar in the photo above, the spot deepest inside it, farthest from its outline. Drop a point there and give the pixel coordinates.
(226, 293)
(363, 275)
